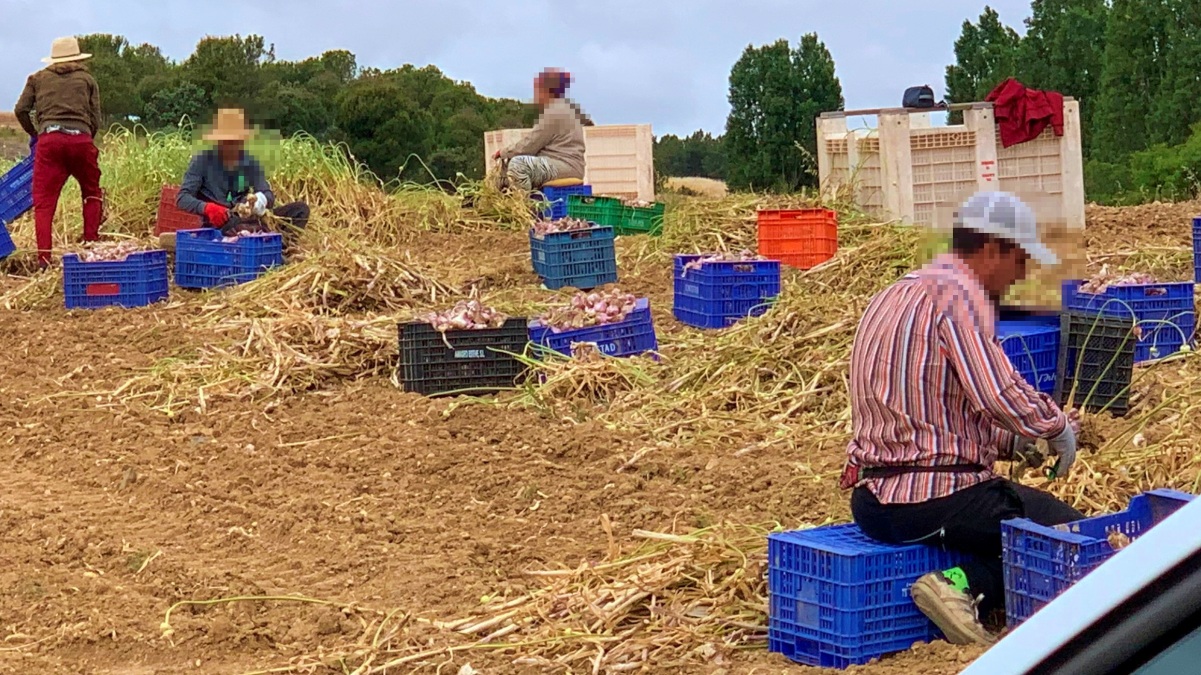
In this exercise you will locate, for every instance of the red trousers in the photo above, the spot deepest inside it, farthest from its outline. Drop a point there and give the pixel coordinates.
(60, 156)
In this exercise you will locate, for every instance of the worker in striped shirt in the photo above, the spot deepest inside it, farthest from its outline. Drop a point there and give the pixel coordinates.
(935, 403)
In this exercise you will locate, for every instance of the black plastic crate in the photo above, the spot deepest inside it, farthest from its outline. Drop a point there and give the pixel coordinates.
(1096, 357)
(463, 361)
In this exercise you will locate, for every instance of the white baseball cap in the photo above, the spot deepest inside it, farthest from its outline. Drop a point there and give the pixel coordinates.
(1004, 216)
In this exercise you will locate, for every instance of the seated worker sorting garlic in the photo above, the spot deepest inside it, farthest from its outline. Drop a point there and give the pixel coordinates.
(552, 154)
(228, 189)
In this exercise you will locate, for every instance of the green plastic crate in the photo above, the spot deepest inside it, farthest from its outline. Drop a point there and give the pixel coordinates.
(604, 211)
(642, 220)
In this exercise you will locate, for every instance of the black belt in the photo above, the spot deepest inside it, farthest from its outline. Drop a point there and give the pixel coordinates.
(890, 471)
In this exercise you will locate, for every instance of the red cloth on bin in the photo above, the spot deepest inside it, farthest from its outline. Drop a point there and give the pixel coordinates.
(1023, 113)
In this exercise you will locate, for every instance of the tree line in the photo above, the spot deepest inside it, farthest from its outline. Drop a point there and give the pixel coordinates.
(1133, 65)
(385, 117)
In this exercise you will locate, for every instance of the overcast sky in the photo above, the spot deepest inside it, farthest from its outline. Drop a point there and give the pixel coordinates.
(661, 62)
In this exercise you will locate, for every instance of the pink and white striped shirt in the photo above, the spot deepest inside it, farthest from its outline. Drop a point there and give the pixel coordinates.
(931, 386)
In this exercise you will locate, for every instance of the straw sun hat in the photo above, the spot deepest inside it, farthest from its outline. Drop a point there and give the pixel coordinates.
(64, 50)
(230, 125)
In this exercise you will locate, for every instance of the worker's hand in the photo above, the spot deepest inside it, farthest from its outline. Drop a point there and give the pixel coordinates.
(260, 204)
(496, 155)
(1063, 447)
(1074, 420)
(216, 213)
(1027, 455)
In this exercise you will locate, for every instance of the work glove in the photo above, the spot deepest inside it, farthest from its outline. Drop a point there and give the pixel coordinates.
(216, 214)
(1063, 447)
(1027, 454)
(260, 204)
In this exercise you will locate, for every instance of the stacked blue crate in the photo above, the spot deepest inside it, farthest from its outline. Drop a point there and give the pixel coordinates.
(719, 294)
(16, 197)
(632, 336)
(556, 199)
(1032, 346)
(1164, 312)
(1042, 562)
(583, 259)
(838, 598)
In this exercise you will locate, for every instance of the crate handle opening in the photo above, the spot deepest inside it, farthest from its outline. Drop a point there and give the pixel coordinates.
(102, 289)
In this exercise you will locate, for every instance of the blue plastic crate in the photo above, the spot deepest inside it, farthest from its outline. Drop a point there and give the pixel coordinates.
(720, 294)
(1165, 313)
(202, 260)
(1161, 340)
(1043, 562)
(556, 199)
(838, 598)
(16, 191)
(137, 281)
(634, 335)
(581, 259)
(1197, 250)
(1033, 348)
(7, 247)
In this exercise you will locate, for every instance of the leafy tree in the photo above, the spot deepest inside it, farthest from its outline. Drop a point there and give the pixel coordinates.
(985, 54)
(383, 124)
(1063, 51)
(1176, 104)
(168, 107)
(229, 70)
(775, 93)
(119, 69)
(1132, 76)
(697, 155)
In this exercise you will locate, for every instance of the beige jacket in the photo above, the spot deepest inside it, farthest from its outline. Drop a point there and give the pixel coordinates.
(559, 137)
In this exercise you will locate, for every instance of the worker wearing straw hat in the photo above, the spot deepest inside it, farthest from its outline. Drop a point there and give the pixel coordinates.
(65, 99)
(935, 403)
(553, 151)
(220, 179)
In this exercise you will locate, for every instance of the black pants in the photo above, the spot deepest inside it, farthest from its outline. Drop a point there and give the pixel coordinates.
(294, 217)
(967, 521)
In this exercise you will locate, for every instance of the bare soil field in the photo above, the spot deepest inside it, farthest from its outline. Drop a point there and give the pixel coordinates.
(390, 513)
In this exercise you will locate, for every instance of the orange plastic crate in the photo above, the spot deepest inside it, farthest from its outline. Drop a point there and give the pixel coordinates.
(170, 218)
(801, 238)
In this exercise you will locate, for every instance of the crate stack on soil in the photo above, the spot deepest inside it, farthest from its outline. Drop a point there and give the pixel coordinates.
(620, 335)
(800, 238)
(204, 259)
(136, 279)
(16, 197)
(1096, 362)
(1032, 346)
(625, 219)
(555, 199)
(1040, 563)
(837, 598)
(713, 291)
(1197, 250)
(470, 349)
(576, 254)
(1164, 313)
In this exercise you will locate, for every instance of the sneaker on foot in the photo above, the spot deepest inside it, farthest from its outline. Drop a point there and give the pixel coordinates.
(952, 610)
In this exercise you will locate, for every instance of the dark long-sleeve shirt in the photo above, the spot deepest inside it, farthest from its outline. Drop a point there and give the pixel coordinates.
(207, 180)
